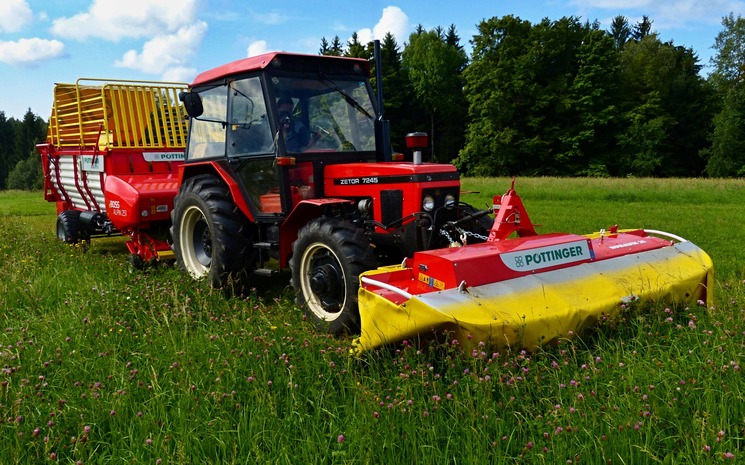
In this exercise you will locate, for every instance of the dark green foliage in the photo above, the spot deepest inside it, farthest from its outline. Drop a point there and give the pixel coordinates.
(401, 106)
(335, 48)
(589, 148)
(435, 63)
(642, 29)
(620, 31)
(725, 156)
(7, 154)
(541, 97)
(20, 167)
(666, 110)
(498, 89)
(26, 175)
(566, 98)
(559, 97)
(356, 49)
(727, 152)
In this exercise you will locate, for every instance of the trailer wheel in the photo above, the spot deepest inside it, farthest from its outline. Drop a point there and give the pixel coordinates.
(69, 227)
(211, 237)
(327, 259)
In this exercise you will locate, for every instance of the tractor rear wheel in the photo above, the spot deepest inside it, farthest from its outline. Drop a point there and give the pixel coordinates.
(69, 227)
(211, 238)
(327, 259)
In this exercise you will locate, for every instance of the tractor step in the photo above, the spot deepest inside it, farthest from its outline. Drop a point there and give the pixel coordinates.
(266, 245)
(266, 272)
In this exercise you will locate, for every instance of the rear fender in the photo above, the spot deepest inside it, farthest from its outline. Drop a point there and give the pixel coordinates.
(303, 212)
(190, 170)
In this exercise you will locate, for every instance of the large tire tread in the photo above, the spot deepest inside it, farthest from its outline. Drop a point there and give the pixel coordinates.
(354, 249)
(233, 254)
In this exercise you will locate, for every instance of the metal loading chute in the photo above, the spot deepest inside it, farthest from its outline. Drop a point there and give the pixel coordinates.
(527, 291)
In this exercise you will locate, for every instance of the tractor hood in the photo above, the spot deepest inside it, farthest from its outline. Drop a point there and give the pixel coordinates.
(362, 179)
(397, 190)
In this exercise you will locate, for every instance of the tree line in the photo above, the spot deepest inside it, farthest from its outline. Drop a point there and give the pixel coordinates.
(559, 97)
(566, 98)
(20, 165)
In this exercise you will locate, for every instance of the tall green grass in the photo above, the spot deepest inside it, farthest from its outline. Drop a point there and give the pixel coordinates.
(101, 365)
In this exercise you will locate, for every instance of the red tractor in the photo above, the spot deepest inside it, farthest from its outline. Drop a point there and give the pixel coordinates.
(287, 165)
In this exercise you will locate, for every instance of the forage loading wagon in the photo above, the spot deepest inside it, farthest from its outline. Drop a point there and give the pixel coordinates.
(110, 161)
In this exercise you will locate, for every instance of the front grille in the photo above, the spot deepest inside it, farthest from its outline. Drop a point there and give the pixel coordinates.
(392, 205)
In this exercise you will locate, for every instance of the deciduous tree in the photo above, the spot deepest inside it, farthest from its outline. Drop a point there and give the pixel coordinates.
(434, 68)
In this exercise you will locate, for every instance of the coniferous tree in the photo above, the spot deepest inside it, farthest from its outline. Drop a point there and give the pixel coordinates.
(336, 49)
(7, 148)
(620, 31)
(356, 49)
(642, 29)
(18, 155)
(324, 50)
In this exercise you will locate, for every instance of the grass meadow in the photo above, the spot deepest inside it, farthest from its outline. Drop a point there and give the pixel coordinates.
(101, 365)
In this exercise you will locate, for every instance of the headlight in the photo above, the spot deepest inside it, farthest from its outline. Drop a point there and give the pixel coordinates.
(428, 204)
(449, 201)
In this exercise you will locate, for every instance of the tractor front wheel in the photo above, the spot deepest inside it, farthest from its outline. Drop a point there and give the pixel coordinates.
(327, 259)
(211, 238)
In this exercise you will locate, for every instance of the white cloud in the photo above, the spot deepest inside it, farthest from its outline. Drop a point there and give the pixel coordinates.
(30, 52)
(257, 47)
(118, 19)
(670, 14)
(393, 20)
(14, 15)
(167, 55)
(179, 74)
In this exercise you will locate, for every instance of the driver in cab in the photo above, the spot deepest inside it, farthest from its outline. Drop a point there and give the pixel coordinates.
(297, 137)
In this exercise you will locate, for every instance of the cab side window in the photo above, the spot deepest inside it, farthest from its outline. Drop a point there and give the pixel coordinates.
(249, 132)
(207, 134)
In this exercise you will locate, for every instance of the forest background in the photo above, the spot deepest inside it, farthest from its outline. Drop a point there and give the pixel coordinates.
(556, 98)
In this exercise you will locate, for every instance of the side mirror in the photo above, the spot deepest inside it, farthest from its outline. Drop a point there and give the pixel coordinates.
(192, 103)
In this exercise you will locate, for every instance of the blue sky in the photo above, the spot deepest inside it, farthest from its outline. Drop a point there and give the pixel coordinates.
(48, 41)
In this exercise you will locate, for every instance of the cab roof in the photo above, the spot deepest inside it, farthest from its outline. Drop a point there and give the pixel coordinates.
(263, 61)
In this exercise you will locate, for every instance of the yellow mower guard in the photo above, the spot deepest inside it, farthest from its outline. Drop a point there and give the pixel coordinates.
(535, 309)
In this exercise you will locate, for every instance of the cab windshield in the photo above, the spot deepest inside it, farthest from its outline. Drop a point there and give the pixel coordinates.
(324, 114)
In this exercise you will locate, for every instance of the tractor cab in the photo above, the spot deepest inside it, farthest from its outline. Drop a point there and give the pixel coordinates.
(277, 120)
